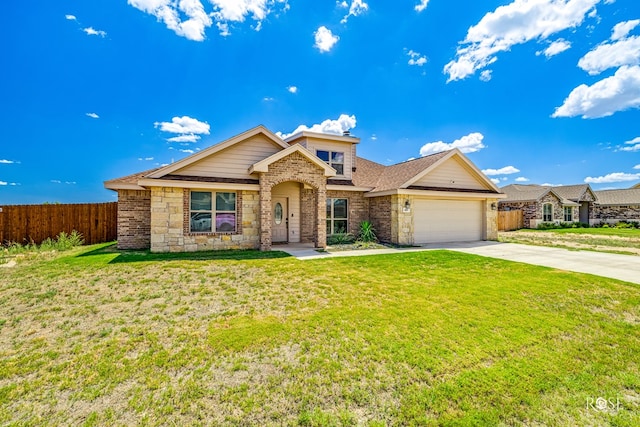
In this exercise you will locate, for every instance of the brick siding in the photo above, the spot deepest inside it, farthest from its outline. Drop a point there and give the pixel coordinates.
(134, 219)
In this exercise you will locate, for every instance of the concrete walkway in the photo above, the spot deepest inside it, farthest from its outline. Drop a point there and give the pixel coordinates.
(616, 266)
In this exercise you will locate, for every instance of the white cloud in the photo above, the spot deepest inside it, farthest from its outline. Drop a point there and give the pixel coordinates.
(146, 159)
(633, 145)
(522, 179)
(616, 93)
(507, 170)
(421, 6)
(173, 13)
(485, 75)
(325, 40)
(636, 167)
(93, 32)
(185, 138)
(184, 125)
(7, 162)
(555, 48)
(93, 115)
(516, 23)
(358, 7)
(622, 29)
(495, 180)
(607, 55)
(293, 89)
(268, 99)
(56, 181)
(416, 58)
(467, 144)
(70, 17)
(187, 151)
(612, 177)
(332, 127)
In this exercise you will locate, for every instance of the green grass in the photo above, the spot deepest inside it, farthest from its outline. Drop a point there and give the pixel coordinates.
(620, 232)
(101, 337)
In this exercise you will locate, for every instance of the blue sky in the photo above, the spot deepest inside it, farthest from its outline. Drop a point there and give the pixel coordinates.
(534, 91)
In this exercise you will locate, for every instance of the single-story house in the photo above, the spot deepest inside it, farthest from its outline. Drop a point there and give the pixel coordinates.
(617, 205)
(256, 189)
(541, 203)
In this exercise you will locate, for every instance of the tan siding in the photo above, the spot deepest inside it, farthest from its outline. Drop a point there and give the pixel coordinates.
(450, 174)
(291, 190)
(344, 147)
(233, 162)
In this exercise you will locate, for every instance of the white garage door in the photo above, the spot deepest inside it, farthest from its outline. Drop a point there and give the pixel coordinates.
(447, 221)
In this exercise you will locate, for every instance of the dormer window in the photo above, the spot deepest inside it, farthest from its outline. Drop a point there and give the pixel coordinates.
(335, 159)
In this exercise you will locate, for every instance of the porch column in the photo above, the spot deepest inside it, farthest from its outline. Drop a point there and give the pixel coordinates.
(265, 213)
(321, 216)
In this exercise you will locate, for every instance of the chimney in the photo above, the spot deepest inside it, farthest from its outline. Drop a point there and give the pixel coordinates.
(346, 133)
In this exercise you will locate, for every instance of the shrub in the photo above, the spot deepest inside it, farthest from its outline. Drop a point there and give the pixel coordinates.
(367, 232)
(61, 242)
(341, 239)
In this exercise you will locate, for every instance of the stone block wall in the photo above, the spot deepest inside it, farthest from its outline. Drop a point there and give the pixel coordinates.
(170, 216)
(491, 220)
(401, 221)
(134, 219)
(615, 214)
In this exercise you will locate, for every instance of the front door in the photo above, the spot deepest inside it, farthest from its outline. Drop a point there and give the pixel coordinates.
(280, 226)
(584, 212)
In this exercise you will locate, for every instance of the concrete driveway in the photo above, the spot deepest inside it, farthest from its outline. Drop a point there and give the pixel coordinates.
(622, 267)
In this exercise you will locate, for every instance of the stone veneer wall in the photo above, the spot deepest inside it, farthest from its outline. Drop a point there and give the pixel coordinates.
(614, 214)
(294, 167)
(358, 206)
(134, 219)
(401, 222)
(380, 217)
(170, 217)
(491, 220)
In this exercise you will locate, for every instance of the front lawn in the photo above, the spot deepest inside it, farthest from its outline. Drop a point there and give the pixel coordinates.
(620, 232)
(101, 337)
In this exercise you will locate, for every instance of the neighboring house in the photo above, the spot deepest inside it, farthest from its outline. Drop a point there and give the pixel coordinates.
(636, 186)
(569, 203)
(256, 189)
(617, 205)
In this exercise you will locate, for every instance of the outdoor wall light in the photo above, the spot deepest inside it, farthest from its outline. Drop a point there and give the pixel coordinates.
(494, 206)
(407, 206)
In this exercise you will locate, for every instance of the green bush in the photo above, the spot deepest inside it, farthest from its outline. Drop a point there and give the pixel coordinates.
(341, 239)
(61, 242)
(367, 232)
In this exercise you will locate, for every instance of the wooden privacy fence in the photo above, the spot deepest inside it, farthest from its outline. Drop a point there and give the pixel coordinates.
(25, 223)
(510, 220)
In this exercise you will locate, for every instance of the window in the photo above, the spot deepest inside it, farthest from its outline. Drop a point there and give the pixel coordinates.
(337, 216)
(547, 212)
(568, 214)
(205, 215)
(335, 159)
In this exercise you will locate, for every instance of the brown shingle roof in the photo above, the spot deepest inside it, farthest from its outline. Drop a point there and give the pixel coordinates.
(630, 196)
(383, 178)
(571, 192)
(524, 193)
(131, 179)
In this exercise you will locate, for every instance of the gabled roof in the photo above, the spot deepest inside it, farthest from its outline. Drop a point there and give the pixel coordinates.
(402, 175)
(636, 186)
(263, 165)
(573, 192)
(630, 196)
(531, 193)
(129, 182)
(219, 147)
